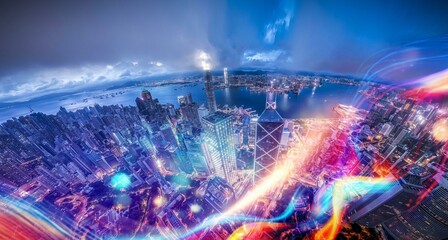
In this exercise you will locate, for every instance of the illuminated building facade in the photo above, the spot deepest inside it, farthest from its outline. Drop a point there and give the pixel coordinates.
(268, 136)
(218, 145)
(226, 77)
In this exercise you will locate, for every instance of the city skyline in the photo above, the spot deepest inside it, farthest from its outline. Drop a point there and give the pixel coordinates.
(224, 120)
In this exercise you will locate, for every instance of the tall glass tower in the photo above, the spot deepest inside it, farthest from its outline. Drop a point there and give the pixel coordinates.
(226, 77)
(218, 145)
(268, 135)
(209, 91)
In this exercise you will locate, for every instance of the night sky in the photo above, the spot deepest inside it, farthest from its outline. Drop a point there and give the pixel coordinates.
(46, 46)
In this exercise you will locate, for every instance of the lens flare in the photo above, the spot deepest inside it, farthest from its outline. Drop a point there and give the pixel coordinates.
(21, 220)
(253, 231)
(120, 181)
(339, 195)
(195, 208)
(440, 130)
(159, 201)
(434, 85)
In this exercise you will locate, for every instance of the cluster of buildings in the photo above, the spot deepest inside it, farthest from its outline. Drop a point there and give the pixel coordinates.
(399, 140)
(50, 157)
(188, 163)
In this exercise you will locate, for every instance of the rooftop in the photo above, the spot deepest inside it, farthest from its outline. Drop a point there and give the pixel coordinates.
(270, 115)
(216, 117)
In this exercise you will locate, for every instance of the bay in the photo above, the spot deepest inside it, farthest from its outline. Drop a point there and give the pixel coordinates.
(309, 103)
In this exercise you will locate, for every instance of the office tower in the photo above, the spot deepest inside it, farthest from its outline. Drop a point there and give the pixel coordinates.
(211, 101)
(245, 129)
(151, 110)
(218, 145)
(189, 110)
(285, 138)
(429, 220)
(196, 155)
(226, 77)
(380, 207)
(268, 135)
(168, 134)
(202, 111)
(185, 100)
(252, 130)
(146, 95)
(170, 110)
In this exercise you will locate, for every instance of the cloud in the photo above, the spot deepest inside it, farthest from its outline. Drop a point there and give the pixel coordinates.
(270, 56)
(272, 29)
(81, 44)
(41, 82)
(158, 64)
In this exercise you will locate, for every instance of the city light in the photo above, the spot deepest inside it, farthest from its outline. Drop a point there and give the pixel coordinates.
(440, 130)
(159, 201)
(337, 197)
(224, 120)
(195, 208)
(120, 181)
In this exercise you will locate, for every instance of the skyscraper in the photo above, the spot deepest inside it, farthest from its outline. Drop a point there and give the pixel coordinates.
(218, 145)
(381, 207)
(151, 110)
(428, 220)
(211, 101)
(269, 131)
(189, 110)
(226, 77)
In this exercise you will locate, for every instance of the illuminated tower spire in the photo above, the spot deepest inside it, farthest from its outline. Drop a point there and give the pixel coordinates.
(210, 91)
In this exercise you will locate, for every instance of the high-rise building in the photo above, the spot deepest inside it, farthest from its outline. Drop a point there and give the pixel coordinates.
(285, 138)
(268, 135)
(226, 77)
(146, 95)
(185, 100)
(196, 156)
(209, 91)
(151, 110)
(252, 130)
(168, 134)
(189, 110)
(202, 111)
(429, 220)
(218, 145)
(379, 208)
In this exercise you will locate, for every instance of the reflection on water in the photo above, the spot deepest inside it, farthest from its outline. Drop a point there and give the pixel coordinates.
(310, 102)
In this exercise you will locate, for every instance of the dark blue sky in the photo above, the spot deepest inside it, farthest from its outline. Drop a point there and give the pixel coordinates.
(46, 46)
